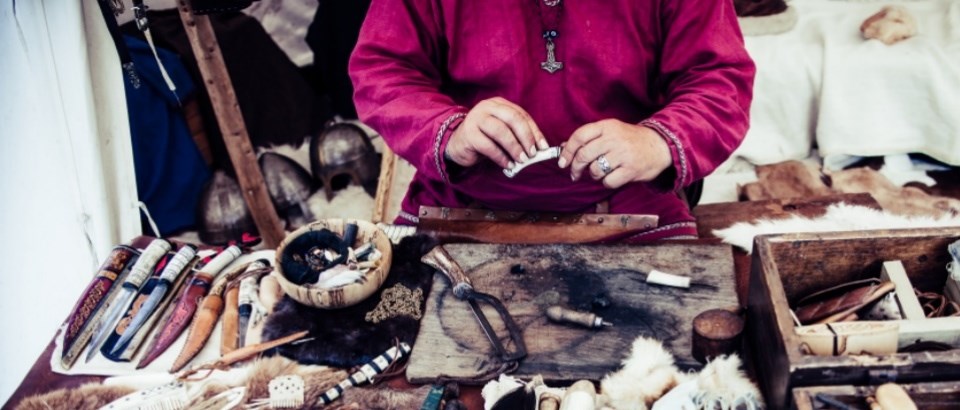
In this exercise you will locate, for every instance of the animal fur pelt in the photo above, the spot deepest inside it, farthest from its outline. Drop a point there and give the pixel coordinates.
(352, 202)
(90, 396)
(342, 337)
(796, 179)
(722, 385)
(898, 200)
(647, 374)
(790, 179)
(839, 217)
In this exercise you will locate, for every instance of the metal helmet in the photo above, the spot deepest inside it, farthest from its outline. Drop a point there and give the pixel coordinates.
(342, 153)
(289, 186)
(222, 212)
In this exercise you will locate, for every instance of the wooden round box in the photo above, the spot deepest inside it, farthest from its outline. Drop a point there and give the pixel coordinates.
(342, 296)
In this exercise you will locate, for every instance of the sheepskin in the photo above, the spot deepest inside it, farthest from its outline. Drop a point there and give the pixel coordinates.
(838, 217)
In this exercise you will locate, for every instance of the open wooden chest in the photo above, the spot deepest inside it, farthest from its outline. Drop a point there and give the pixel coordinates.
(927, 396)
(788, 266)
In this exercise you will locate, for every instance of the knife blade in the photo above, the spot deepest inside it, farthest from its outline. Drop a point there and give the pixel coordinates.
(174, 268)
(187, 303)
(135, 279)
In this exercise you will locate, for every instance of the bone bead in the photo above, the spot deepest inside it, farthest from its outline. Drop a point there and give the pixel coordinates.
(890, 25)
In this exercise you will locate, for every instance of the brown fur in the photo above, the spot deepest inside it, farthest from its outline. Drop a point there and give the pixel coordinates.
(91, 396)
(902, 201)
(790, 179)
(796, 179)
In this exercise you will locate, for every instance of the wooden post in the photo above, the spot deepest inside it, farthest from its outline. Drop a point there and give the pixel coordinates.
(388, 166)
(203, 41)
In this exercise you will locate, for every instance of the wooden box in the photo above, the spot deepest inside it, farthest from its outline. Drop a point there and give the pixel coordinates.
(788, 266)
(927, 396)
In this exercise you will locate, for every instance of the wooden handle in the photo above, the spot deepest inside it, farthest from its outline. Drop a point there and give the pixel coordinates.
(440, 260)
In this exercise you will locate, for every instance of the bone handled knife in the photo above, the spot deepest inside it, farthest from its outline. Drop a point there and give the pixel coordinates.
(174, 268)
(135, 279)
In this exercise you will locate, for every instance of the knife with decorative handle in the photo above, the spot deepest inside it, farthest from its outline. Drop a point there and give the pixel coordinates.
(174, 268)
(91, 307)
(135, 279)
(206, 316)
(187, 304)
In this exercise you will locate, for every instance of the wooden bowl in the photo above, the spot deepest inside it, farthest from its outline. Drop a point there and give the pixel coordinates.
(346, 295)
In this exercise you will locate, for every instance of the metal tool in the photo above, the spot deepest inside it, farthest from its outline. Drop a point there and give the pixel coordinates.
(439, 259)
(135, 279)
(559, 314)
(170, 273)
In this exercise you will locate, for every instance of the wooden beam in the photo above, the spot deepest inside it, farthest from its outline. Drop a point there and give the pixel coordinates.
(206, 49)
(388, 165)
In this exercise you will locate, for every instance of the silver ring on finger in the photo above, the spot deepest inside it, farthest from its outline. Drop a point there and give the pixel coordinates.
(604, 164)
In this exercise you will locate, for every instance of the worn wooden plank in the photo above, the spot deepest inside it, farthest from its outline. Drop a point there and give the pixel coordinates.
(909, 304)
(451, 345)
(928, 396)
(203, 42)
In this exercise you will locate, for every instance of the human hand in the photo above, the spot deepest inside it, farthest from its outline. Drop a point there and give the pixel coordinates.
(497, 129)
(632, 153)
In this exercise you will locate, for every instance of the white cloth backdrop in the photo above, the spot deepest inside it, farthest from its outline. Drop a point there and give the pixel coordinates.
(823, 83)
(66, 168)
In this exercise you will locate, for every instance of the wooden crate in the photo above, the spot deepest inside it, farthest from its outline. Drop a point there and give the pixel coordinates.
(786, 267)
(927, 396)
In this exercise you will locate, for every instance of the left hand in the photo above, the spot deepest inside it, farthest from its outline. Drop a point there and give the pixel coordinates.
(633, 152)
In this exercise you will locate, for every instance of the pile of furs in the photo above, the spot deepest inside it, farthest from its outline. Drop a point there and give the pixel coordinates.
(649, 379)
(317, 380)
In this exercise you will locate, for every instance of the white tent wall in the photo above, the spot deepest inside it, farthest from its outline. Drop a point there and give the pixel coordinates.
(66, 168)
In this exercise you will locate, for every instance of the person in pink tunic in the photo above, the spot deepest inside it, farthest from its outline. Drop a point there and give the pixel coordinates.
(645, 96)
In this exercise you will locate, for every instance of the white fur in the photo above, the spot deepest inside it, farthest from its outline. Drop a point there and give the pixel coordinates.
(722, 385)
(647, 374)
(839, 217)
(352, 202)
(495, 389)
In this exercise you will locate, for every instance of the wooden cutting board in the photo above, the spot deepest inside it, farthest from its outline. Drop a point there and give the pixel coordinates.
(451, 346)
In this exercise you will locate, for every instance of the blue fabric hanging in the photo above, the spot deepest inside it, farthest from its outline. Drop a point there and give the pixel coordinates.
(170, 171)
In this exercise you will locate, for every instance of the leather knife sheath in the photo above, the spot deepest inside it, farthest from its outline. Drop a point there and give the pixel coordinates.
(231, 320)
(478, 225)
(180, 318)
(829, 305)
(89, 308)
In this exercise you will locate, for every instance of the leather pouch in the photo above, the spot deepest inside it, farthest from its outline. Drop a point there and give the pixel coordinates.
(829, 305)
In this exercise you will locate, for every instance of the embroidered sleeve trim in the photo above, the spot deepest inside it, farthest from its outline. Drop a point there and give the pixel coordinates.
(437, 155)
(673, 139)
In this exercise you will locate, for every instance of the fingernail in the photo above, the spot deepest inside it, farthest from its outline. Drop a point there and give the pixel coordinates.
(511, 164)
(542, 144)
(562, 162)
(573, 178)
(533, 150)
(523, 157)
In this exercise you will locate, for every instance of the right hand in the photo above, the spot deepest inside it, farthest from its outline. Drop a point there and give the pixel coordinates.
(497, 129)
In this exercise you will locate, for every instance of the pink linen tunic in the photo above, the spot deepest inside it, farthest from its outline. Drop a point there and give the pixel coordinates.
(676, 66)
